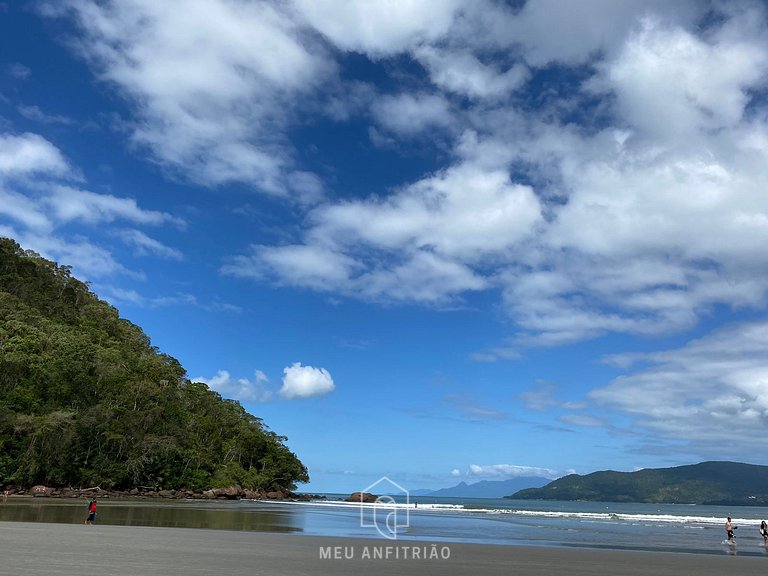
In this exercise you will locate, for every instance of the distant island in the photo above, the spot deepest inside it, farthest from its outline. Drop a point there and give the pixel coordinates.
(486, 488)
(726, 483)
(86, 402)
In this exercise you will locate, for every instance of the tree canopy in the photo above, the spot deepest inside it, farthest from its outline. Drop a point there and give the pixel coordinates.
(85, 399)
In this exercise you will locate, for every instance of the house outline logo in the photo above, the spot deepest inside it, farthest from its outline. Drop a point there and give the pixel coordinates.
(385, 514)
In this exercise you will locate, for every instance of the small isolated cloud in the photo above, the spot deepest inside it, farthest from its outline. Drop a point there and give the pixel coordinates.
(544, 395)
(541, 397)
(455, 472)
(27, 155)
(468, 408)
(240, 388)
(410, 114)
(144, 245)
(36, 114)
(305, 381)
(18, 71)
(68, 204)
(583, 420)
(498, 471)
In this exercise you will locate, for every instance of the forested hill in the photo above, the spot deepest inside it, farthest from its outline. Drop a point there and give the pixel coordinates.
(86, 400)
(705, 483)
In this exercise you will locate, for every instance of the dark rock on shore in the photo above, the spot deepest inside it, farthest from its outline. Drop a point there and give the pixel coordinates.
(362, 497)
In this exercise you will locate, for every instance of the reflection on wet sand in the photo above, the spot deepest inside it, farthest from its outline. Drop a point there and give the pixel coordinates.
(180, 514)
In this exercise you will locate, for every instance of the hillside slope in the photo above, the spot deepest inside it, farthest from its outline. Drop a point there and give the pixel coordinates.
(86, 400)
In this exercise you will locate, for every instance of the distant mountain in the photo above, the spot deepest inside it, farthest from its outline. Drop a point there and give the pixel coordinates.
(727, 483)
(489, 488)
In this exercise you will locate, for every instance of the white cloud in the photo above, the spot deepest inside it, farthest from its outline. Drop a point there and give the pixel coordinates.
(241, 389)
(464, 74)
(211, 82)
(430, 235)
(143, 244)
(583, 420)
(69, 203)
(28, 155)
(305, 382)
(571, 32)
(18, 71)
(709, 395)
(671, 85)
(87, 258)
(410, 114)
(23, 210)
(541, 397)
(317, 267)
(665, 218)
(308, 187)
(550, 195)
(36, 196)
(423, 277)
(632, 202)
(36, 114)
(466, 212)
(115, 295)
(378, 27)
(465, 407)
(497, 471)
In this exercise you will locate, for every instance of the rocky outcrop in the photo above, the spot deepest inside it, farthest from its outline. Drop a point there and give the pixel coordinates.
(40, 490)
(145, 492)
(363, 497)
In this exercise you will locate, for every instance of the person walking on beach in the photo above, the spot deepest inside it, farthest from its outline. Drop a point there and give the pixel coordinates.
(91, 512)
(729, 528)
(764, 532)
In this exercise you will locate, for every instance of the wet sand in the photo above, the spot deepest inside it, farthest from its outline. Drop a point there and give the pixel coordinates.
(34, 548)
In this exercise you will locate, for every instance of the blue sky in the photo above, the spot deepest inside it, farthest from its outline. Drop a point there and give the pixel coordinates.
(439, 241)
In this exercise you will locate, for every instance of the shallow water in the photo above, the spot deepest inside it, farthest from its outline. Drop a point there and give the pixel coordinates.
(223, 515)
(672, 528)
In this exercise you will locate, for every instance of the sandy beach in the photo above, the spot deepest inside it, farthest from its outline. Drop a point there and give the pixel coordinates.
(61, 549)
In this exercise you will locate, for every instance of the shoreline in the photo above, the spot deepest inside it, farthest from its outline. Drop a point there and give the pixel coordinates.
(440, 525)
(33, 548)
(148, 493)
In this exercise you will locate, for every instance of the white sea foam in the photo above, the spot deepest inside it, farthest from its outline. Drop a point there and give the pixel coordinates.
(372, 505)
(607, 516)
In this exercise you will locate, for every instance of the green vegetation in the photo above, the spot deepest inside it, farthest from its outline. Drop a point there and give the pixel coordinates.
(729, 483)
(86, 400)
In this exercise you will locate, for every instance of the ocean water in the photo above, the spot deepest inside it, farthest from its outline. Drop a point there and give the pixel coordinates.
(608, 525)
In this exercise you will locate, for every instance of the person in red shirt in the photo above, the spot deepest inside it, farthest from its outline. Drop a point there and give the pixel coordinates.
(91, 512)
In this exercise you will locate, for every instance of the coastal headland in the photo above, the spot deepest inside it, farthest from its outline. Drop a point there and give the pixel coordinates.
(41, 548)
